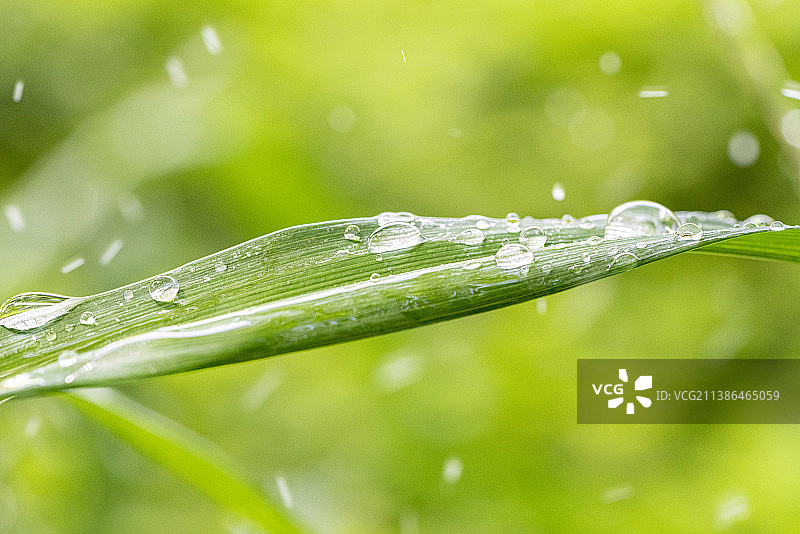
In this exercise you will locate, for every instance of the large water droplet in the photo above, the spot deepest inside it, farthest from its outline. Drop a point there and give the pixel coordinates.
(394, 236)
(533, 237)
(351, 233)
(777, 226)
(513, 255)
(689, 232)
(640, 217)
(164, 288)
(34, 310)
(470, 236)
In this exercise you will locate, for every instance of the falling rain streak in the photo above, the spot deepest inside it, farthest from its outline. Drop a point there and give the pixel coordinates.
(14, 218)
(175, 71)
(111, 252)
(18, 87)
(211, 40)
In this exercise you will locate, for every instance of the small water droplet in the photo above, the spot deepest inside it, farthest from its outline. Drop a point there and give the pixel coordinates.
(483, 224)
(533, 237)
(378, 257)
(758, 220)
(624, 259)
(164, 288)
(640, 217)
(219, 267)
(374, 277)
(27, 311)
(558, 192)
(69, 328)
(394, 236)
(641, 245)
(470, 236)
(50, 335)
(472, 265)
(777, 226)
(88, 319)
(512, 218)
(513, 255)
(586, 257)
(67, 358)
(586, 223)
(127, 294)
(689, 232)
(351, 233)
(594, 239)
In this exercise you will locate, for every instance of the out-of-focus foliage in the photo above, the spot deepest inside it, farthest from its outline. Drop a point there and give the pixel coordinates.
(320, 111)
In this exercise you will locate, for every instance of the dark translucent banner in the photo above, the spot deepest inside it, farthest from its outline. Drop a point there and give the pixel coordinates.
(689, 391)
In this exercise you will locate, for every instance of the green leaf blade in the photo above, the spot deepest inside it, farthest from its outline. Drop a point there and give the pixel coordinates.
(311, 285)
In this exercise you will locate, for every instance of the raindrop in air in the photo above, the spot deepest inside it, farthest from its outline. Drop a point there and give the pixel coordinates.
(34, 310)
(88, 319)
(533, 237)
(164, 288)
(394, 236)
(351, 233)
(640, 217)
(127, 294)
(470, 236)
(558, 192)
(513, 255)
(689, 232)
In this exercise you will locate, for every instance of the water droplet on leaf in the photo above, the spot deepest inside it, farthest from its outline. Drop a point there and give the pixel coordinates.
(513, 255)
(164, 288)
(689, 232)
(624, 259)
(777, 226)
(512, 218)
(374, 277)
(758, 220)
(640, 217)
(67, 358)
(34, 310)
(470, 236)
(533, 237)
(88, 319)
(50, 335)
(127, 294)
(351, 233)
(390, 216)
(219, 267)
(394, 236)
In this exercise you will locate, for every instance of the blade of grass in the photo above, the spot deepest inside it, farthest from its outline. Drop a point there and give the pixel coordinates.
(183, 452)
(319, 284)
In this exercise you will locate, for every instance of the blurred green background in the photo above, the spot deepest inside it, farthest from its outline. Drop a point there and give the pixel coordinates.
(138, 144)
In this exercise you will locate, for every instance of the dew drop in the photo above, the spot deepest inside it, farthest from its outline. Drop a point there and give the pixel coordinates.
(67, 358)
(88, 319)
(127, 294)
(374, 277)
(483, 224)
(689, 232)
(390, 216)
(513, 255)
(624, 259)
(394, 236)
(470, 236)
(587, 258)
(586, 223)
(758, 220)
(533, 237)
(512, 218)
(219, 267)
(50, 335)
(27, 311)
(558, 192)
(640, 217)
(351, 233)
(472, 265)
(594, 239)
(777, 226)
(164, 288)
